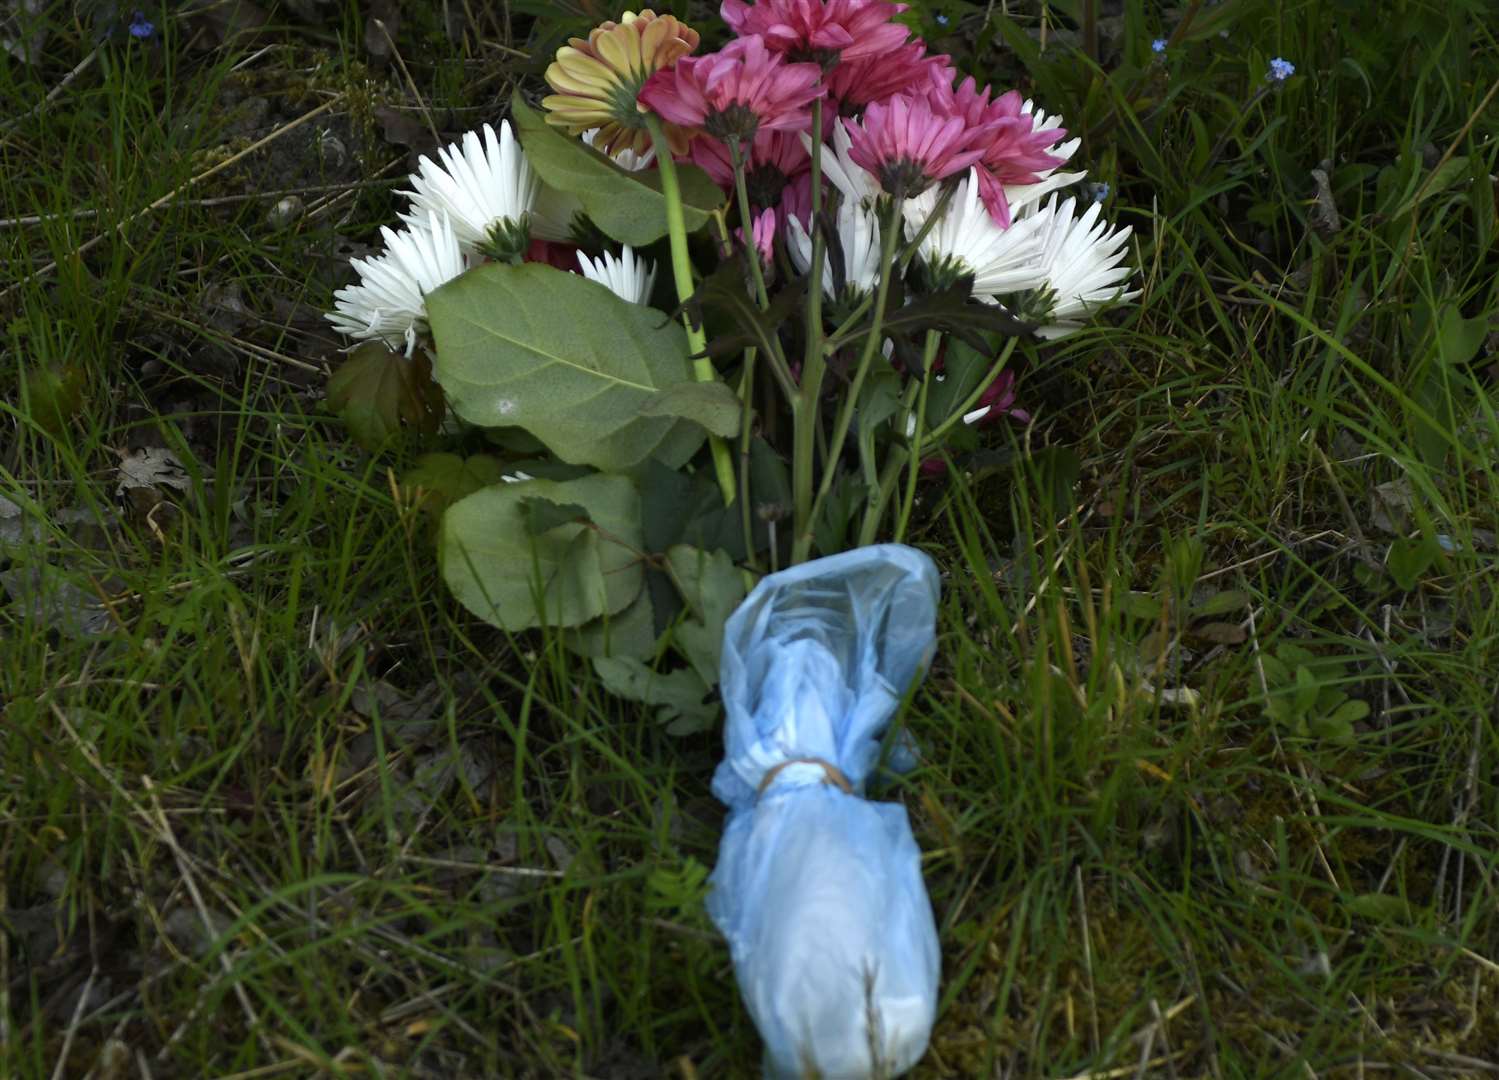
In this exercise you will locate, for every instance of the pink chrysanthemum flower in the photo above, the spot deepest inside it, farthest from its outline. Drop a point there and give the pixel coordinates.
(772, 160)
(909, 145)
(826, 32)
(735, 93)
(853, 84)
(764, 232)
(1018, 150)
(997, 400)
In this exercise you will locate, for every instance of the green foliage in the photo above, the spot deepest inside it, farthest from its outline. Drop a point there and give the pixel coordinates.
(562, 358)
(627, 206)
(1304, 694)
(383, 395)
(517, 556)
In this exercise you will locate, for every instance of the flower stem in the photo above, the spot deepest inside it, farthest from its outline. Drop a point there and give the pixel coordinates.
(803, 544)
(814, 360)
(747, 224)
(928, 361)
(681, 268)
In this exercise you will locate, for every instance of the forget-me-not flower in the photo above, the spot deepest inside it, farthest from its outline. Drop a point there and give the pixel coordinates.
(1280, 70)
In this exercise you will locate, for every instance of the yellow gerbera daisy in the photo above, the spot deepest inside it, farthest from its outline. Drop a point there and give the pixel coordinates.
(597, 80)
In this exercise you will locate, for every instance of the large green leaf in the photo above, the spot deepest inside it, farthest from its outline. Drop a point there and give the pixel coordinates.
(579, 571)
(627, 206)
(710, 404)
(560, 356)
(380, 394)
(681, 698)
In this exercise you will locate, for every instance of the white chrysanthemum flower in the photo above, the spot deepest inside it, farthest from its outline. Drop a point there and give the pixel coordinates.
(857, 183)
(628, 276)
(389, 303)
(1020, 196)
(626, 159)
(967, 240)
(485, 186)
(1080, 259)
(859, 240)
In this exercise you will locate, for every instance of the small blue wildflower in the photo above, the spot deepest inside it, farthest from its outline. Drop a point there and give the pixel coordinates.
(1158, 46)
(1280, 70)
(941, 19)
(1101, 191)
(141, 27)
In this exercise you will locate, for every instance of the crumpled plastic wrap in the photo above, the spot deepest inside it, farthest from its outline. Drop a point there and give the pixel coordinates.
(817, 890)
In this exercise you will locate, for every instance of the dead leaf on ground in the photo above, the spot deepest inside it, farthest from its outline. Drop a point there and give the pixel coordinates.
(46, 595)
(381, 26)
(152, 468)
(1393, 501)
(406, 128)
(23, 29)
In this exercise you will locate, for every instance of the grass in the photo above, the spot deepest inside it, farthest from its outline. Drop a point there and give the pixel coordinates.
(423, 848)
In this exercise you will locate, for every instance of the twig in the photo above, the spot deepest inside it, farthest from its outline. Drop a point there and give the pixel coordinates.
(170, 196)
(1128, 1070)
(67, 80)
(217, 200)
(67, 1039)
(163, 829)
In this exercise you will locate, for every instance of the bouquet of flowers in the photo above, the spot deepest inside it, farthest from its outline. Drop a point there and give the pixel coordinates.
(858, 240)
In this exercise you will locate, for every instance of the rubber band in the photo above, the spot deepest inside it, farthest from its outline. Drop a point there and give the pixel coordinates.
(832, 775)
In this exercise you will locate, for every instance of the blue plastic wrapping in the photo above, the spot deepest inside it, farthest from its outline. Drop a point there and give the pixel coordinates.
(817, 890)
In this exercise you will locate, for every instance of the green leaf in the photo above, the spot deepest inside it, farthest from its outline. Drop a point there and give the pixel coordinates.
(724, 291)
(577, 572)
(679, 697)
(1378, 907)
(710, 404)
(439, 480)
(1307, 690)
(560, 356)
(627, 206)
(879, 400)
(951, 311)
(1220, 603)
(963, 368)
(1451, 171)
(1337, 725)
(381, 394)
(53, 395)
(1140, 605)
(713, 587)
(544, 515)
(1410, 559)
(631, 632)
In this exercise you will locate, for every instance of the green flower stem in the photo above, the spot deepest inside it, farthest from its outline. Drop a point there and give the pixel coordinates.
(874, 509)
(972, 399)
(928, 360)
(804, 412)
(746, 434)
(926, 226)
(681, 268)
(747, 224)
(803, 544)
